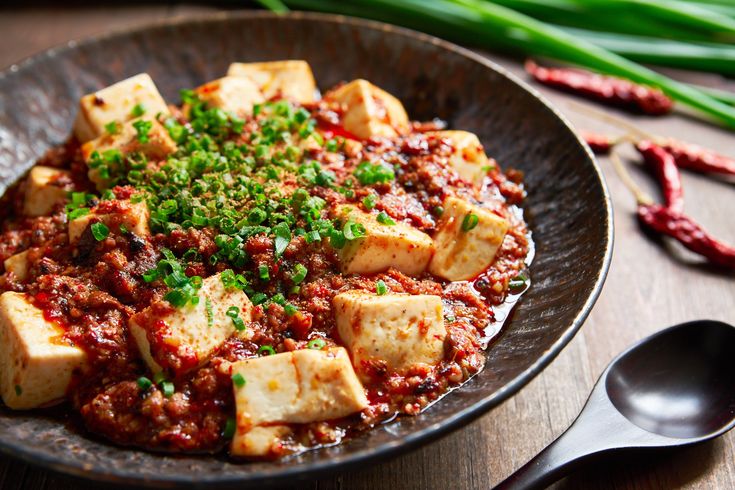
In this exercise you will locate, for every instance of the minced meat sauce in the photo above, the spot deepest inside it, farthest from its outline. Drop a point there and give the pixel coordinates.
(92, 288)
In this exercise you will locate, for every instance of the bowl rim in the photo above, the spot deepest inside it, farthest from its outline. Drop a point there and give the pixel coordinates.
(379, 452)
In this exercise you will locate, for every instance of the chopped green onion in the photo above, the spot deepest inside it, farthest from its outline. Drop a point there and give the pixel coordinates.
(299, 273)
(234, 313)
(210, 313)
(238, 380)
(380, 287)
(263, 272)
(143, 128)
(369, 201)
(168, 388)
(384, 219)
(267, 350)
(316, 344)
(470, 222)
(374, 173)
(290, 309)
(144, 383)
(230, 427)
(112, 127)
(100, 231)
(77, 213)
(138, 110)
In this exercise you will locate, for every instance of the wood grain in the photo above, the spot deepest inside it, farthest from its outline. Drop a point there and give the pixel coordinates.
(651, 285)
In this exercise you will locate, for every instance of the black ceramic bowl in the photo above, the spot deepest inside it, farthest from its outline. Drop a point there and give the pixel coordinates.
(568, 207)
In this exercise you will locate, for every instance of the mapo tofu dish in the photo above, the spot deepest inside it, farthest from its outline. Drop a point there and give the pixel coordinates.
(259, 269)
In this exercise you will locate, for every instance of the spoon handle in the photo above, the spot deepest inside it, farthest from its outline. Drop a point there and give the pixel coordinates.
(598, 428)
(555, 461)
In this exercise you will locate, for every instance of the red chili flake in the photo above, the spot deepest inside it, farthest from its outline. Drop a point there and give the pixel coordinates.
(610, 90)
(699, 159)
(673, 223)
(663, 165)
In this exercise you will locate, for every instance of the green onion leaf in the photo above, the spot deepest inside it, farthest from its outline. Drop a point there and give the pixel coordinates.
(99, 231)
(384, 219)
(168, 389)
(138, 110)
(238, 380)
(470, 222)
(380, 288)
(230, 427)
(316, 344)
(266, 350)
(210, 313)
(299, 273)
(112, 127)
(144, 383)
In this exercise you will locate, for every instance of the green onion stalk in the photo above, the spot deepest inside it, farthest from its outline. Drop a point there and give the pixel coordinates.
(493, 26)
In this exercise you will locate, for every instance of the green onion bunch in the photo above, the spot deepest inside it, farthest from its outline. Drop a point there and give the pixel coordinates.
(607, 36)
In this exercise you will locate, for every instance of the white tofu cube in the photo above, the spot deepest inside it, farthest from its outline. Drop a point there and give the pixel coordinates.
(400, 246)
(467, 157)
(394, 331)
(36, 362)
(182, 339)
(291, 388)
(288, 79)
(17, 265)
(157, 147)
(370, 111)
(232, 94)
(133, 215)
(462, 254)
(44, 188)
(116, 103)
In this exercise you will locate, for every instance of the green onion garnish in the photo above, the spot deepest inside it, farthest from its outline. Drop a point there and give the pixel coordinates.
(380, 287)
(267, 350)
(263, 272)
(230, 427)
(299, 273)
(112, 127)
(384, 219)
(369, 201)
(208, 309)
(168, 389)
(238, 380)
(137, 110)
(143, 127)
(99, 231)
(469, 222)
(290, 309)
(316, 344)
(144, 383)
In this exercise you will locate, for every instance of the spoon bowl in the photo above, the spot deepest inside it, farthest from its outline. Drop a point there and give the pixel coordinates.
(674, 388)
(678, 383)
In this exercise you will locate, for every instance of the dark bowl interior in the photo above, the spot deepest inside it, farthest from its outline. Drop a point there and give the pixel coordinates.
(567, 206)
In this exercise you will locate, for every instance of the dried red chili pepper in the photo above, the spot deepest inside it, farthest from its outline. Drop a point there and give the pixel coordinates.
(663, 164)
(600, 144)
(682, 228)
(673, 223)
(686, 155)
(611, 90)
(699, 159)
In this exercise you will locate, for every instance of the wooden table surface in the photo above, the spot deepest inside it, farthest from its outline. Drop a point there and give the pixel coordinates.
(650, 286)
